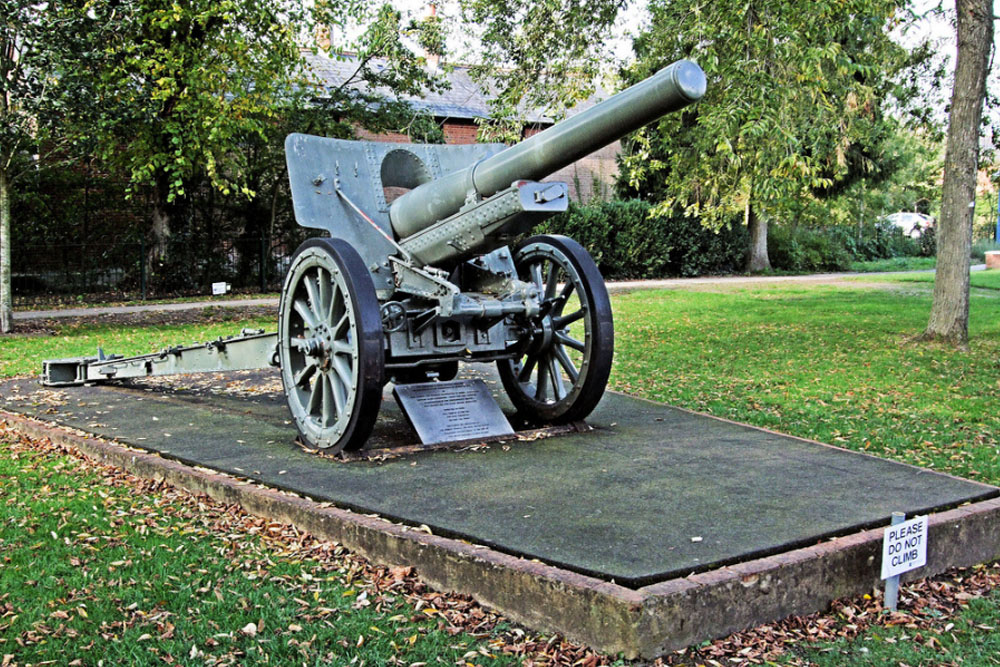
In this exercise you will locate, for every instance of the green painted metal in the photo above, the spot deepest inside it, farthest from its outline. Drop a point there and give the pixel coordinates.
(671, 89)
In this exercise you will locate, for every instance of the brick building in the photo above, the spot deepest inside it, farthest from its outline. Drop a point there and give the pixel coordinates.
(457, 110)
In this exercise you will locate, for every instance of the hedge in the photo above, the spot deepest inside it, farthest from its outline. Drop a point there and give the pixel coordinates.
(628, 243)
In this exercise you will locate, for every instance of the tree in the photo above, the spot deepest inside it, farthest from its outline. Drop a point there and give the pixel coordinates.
(38, 94)
(178, 82)
(793, 106)
(536, 54)
(949, 318)
(188, 86)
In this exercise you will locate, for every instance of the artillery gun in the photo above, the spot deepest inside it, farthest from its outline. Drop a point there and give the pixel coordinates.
(405, 289)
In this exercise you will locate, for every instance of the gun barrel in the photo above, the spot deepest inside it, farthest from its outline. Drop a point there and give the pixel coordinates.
(672, 88)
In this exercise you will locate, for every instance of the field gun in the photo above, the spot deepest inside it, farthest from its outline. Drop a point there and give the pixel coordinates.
(404, 289)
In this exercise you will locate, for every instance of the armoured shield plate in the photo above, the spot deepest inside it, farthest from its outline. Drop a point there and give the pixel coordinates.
(362, 170)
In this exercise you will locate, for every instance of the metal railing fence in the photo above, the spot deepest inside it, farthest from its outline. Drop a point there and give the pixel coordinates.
(95, 272)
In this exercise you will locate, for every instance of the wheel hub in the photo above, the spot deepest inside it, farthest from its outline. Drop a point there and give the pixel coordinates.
(543, 334)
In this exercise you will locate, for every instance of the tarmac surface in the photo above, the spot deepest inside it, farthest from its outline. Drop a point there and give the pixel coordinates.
(650, 493)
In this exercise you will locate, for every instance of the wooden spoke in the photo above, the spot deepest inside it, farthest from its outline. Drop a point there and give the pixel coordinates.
(566, 291)
(541, 382)
(316, 397)
(302, 308)
(536, 275)
(342, 347)
(566, 362)
(329, 408)
(343, 370)
(563, 321)
(307, 372)
(340, 396)
(339, 326)
(311, 282)
(529, 365)
(552, 281)
(558, 386)
(568, 340)
(325, 295)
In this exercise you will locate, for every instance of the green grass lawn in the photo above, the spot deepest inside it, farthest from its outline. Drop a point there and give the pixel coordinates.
(831, 363)
(92, 570)
(987, 280)
(827, 363)
(68, 302)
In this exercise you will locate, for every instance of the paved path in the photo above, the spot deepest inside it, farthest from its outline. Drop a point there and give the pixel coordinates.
(613, 286)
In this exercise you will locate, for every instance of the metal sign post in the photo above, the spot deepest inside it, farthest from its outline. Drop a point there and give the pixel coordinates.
(892, 583)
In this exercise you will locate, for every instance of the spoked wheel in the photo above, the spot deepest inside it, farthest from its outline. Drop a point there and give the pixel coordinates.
(330, 345)
(564, 368)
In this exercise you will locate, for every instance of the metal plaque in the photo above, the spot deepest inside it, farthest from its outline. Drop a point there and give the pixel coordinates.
(451, 411)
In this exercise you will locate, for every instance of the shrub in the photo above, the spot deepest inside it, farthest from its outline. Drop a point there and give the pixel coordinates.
(627, 242)
(794, 248)
(980, 248)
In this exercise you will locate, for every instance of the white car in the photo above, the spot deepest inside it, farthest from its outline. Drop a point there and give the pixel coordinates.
(912, 224)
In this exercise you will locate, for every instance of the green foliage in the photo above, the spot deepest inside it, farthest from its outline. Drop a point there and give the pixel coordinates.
(180, 83)
(631, 239)
(838, 248)
(627, 241)
(802, 249)
(980, 248)
(909, 179)
(894, 264)
(39, 90)
(537, 53)
(39, 84)
(794, 104)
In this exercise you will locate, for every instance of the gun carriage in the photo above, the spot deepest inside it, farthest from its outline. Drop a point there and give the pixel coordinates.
(405, 289)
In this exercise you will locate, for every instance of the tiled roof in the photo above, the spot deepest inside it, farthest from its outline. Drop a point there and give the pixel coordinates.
(464, 99)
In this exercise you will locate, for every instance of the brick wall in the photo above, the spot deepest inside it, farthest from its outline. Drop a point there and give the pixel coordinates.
(460, 132)
(387, 137)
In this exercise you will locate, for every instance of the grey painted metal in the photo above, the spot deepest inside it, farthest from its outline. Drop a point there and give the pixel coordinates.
(362, 170)
(671, 89)
(330, 345)
(438, 254)
(560, 373)
(247, 351)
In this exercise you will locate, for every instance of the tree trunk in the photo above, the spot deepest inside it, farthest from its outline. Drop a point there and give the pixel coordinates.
(757, 261)
(6, 296)
(161, 226)
(949, 318)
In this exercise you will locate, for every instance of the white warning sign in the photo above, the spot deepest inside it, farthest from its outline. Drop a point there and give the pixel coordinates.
(904, 547)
